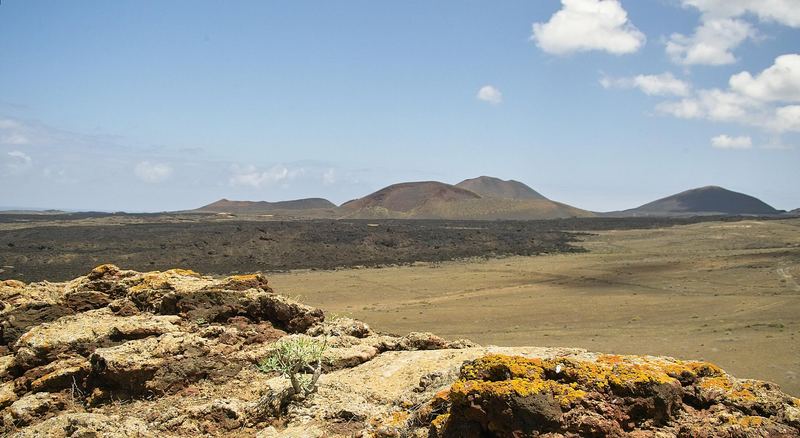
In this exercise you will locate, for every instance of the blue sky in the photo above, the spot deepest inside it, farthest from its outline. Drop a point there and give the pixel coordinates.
(149, 106)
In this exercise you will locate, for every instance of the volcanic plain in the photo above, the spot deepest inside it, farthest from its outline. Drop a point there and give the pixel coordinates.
(726, 292)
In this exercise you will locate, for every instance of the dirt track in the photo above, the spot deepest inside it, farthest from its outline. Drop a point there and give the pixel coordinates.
(724, 292)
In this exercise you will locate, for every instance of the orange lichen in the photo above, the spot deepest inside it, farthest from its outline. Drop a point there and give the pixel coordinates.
(610, 359)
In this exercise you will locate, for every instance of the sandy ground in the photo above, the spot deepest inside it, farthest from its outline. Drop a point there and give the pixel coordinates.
(724, 292)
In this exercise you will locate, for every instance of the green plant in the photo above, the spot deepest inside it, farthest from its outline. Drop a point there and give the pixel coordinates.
(299, 359)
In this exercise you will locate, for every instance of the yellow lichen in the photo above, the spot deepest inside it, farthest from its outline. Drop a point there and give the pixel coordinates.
(246, 281)
(609, 372)
(503, 376)
(14, 284)
(152, 280)
(182, 272)
(439, 422)
(728, 388)
(499, 367)
(743, 393)
(692, 369)
(398, 419)
(748, 421)
(717, 383)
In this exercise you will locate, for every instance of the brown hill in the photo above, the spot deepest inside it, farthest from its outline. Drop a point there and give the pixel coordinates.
(436, 200)
(709, 200)
(406, 197)
(253, 207)
(491, 187)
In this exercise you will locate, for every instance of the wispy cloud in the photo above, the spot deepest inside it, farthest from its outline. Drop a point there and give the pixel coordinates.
(17, 162)
(252, 176)
(769, 100)
(727, 142)
(664, 84)
(151, 172)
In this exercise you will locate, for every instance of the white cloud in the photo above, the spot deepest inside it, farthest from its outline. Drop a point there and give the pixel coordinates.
(780, 82)
(713, 104)
(712, 43)
(786, 119)
(490, 94)
(583, 25)
(727, 142)
(251, 176)
(750, 100)
(17, 162)
(664, 84)
(784, 12)
(150, 172)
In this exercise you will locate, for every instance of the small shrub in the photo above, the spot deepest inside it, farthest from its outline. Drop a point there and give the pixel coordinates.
(298, 359)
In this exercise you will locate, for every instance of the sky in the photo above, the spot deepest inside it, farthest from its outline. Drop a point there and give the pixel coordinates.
(602, 104)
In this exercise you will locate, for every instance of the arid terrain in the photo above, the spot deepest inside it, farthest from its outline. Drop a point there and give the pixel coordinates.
(727, 292)
(60, 247)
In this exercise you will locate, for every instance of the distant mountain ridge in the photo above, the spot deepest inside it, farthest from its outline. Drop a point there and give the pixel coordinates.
(707, 200)
(227, 206)
(490, 198)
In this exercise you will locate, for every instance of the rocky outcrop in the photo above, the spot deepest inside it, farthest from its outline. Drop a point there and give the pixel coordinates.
(88, 425)
(119, 353)
(608, 395)
(82, 333)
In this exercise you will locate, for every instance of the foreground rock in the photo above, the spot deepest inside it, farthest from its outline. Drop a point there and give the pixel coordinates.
(607, 395)
(120, 353)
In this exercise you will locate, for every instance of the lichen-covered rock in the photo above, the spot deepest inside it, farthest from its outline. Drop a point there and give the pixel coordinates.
(157, 365)
(7, 394)
(31, 408)
(24, 306)
(174, 353)
(66, 373)
(289, 315)
(244, 282)
(341, 327)
(419, 341)
(608, 395)
(87, 425)
(84, 332)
